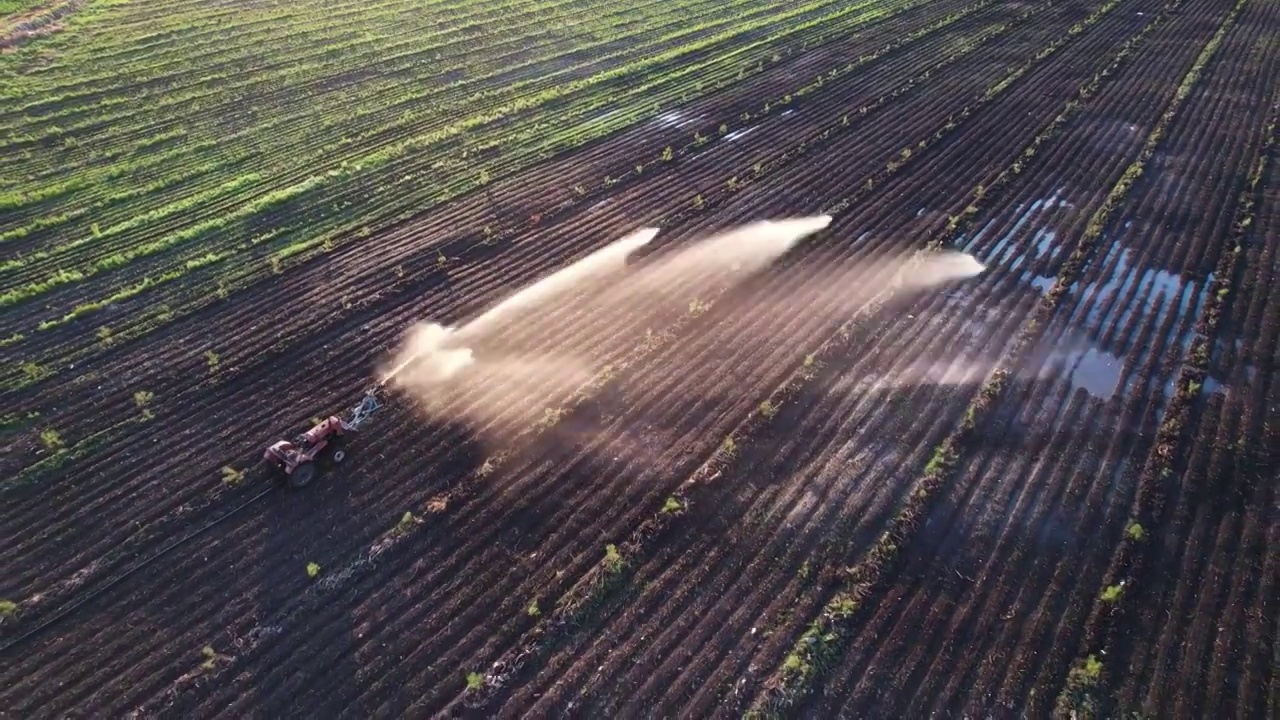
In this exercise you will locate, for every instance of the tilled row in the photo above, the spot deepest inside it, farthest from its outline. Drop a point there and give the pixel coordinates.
(257, 419)
(411, 256)
(515, 102)
(1032, 445)
(982, 619)
(469, 645)
(1214, 500)
(843, 606)
(854, 174)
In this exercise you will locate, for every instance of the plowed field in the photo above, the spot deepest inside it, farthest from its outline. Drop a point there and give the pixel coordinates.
(1045, 490)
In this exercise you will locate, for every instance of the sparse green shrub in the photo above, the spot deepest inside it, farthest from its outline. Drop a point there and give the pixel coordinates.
(34, 372)
(407, 521)
(51, 439)
(768, 409)
(1088, 671)
(211, 360)
(210, 657)
(104, 335)
(937, 462)
(612, 559)
(231, 476)
(729, 447)
(551, 416)
(142, 399)
(1076, 699)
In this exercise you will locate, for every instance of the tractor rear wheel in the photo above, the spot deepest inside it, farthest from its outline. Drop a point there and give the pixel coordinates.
(302, 475)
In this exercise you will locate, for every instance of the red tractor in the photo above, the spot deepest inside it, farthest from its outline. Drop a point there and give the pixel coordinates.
(297, 459)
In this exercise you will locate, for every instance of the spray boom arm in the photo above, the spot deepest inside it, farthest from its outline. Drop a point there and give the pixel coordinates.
(369, 404)
(373, 398)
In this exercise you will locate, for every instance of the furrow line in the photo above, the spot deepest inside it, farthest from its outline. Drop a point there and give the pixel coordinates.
(1129, 560)
(795, 678)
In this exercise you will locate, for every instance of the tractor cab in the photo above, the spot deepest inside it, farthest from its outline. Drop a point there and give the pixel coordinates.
(297, 459)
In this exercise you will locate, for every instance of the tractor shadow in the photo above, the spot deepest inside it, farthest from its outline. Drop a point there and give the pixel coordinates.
(332, 523)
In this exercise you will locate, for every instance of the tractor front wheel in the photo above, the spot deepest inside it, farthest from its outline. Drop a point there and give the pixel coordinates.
(302, 475)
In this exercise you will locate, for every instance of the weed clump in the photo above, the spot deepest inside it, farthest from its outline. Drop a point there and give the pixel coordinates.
(768, 409)
(1077, 699)
(231, 476)
(407, 521)
(51, 439)
(142, 399)
(210, 657)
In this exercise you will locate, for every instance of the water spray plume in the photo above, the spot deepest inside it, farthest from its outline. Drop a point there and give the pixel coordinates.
(718, 259)
(947, 266)
(578, 277)
(444, 349)
(532, 351)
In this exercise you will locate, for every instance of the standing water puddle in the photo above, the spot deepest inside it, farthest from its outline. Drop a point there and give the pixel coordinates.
(675, 117)
(1094, 370)
(1006, 250)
